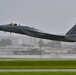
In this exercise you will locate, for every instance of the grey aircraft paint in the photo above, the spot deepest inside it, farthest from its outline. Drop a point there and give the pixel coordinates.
(30, 31)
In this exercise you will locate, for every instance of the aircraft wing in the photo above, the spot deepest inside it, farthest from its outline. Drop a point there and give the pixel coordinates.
(56, 37)
(45, 36)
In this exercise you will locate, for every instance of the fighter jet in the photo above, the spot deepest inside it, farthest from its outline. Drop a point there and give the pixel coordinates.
(70, 36)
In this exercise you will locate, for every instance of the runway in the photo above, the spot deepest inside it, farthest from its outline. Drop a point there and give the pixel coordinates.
(37, 70)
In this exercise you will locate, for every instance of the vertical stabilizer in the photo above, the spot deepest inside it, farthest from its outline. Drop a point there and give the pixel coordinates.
(72, 31)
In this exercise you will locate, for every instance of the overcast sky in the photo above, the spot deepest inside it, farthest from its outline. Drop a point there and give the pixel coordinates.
(53, 16)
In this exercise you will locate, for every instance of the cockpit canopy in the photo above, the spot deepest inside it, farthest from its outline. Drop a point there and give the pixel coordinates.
(14, 24)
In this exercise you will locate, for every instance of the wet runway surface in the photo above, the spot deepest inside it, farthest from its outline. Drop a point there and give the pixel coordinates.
(37, 70)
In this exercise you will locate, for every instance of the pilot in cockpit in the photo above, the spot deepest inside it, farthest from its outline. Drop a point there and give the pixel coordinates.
(13, 24)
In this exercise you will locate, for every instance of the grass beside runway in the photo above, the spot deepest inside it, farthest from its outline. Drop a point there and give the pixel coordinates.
(38, 64)
(38, 73)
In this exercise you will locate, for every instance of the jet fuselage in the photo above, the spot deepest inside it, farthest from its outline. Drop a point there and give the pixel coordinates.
(30, 31)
